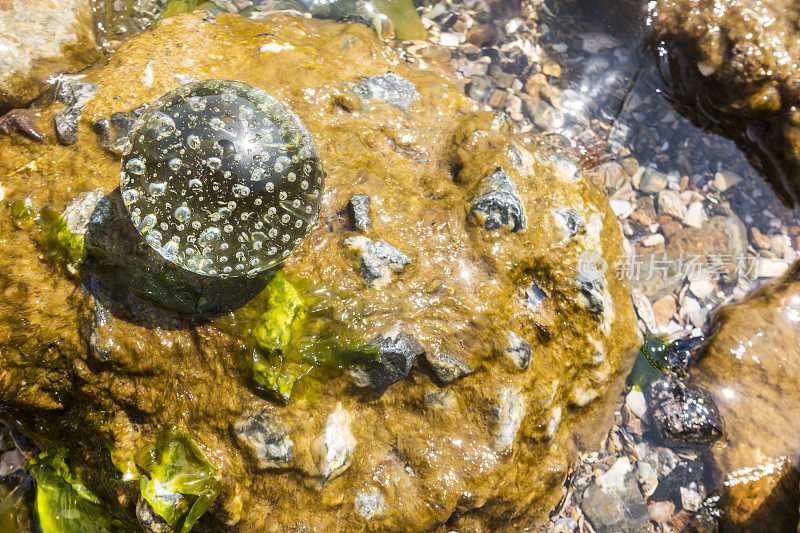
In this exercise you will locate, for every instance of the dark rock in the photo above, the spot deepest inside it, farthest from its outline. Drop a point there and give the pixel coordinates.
(519, 350)
(100, 331)
(682, 412)
(569, 221)
(265, 440)
(358, 208)
(617, 507)
(397, 351)
(389, 87)
(66, 124)
(594, 292)
(682, 352)
(379, 260)
(74, 94)
(498, 203)
(115, 132)
(533, 296)
(447, 367)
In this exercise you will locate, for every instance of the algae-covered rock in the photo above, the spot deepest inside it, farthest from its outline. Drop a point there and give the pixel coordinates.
(751, 365)
(104, 354)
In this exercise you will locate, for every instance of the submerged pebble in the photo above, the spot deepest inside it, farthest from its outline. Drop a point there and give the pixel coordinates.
(221, 178)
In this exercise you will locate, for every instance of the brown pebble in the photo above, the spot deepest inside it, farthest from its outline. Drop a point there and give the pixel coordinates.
(680, 521)
(664, 309)
(552, 69)
(661, 512)
(684, 182)
(642, 217)
(794, 231)
(663, 219)
(498, 98)
(758, 239)
(481, 34)
(551, 94)
(631, 165)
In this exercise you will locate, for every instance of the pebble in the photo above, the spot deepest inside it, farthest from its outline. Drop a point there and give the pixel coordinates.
(661, 512)
(770, 268)
(725, 179)
(656, 239)
(648, 478)
(545, 116)
(690, 500)
(621, 208)
(670, 203)
(449, 39)
(653, 181)
(702, 288)
(597, 42)
(695, 215)
(635, 401)
(758, 239)
(11, 462)
(664, 309)
(631, 165)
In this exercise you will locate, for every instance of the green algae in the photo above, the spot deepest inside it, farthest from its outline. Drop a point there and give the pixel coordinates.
(176, 7)
(20, 211)
(58, 242)
(63, 503)
(178, 480)
(299, 336)
(650, 364)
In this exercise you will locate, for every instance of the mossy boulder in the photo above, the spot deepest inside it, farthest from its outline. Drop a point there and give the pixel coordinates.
(105, 348)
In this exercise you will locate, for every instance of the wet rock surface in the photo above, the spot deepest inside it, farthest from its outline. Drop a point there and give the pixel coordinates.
(749, 365)
(737, 61)
(163, 362)
(40, 39)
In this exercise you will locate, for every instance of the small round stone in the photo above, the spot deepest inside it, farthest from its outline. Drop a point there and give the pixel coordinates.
(217, 166)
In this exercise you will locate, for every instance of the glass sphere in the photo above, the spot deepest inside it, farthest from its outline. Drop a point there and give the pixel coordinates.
(221, 178)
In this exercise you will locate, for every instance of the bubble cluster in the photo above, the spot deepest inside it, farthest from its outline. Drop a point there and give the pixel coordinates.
(221, 178)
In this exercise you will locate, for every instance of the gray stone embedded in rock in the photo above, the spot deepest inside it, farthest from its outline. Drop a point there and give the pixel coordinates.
(66, 125)
(74, 94)
(569, 221)
(389, 87)
(379, 260)
(333, 450)
(79, 212)
(397, 351)
(497, 203)
(265, 440)
(507, 416)
(682, 412)
(370, 504)
(115, 132)
(519, 350)
(613, 502)
(358, 209)
(447, 367)
(100, 335)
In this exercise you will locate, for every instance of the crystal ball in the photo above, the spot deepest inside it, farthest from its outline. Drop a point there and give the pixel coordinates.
(221, 178)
